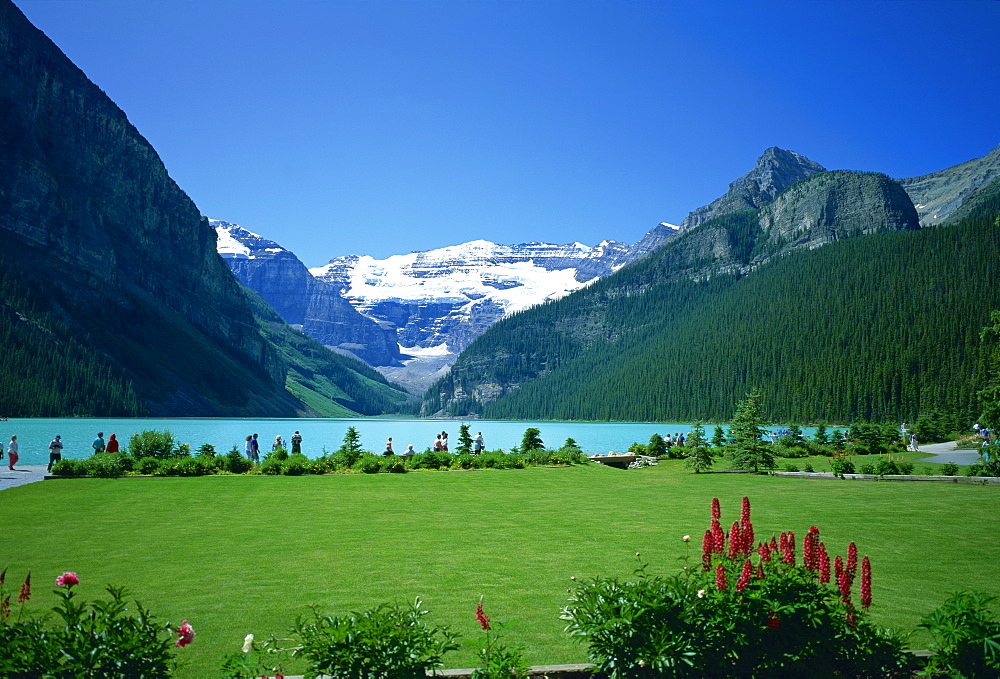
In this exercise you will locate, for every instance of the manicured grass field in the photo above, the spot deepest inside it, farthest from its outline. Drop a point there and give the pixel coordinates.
(248, 554)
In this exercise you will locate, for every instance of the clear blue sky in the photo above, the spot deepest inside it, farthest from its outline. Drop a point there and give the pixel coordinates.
(380, 127)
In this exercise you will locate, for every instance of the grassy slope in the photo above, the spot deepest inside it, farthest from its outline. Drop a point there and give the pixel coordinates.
(247, 554)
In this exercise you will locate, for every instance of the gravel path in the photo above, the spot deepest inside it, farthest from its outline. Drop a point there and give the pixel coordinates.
(946, 452)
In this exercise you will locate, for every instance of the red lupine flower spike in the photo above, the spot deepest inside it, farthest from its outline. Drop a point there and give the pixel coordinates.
(745, 510)
(866, 583)
(25, 590)
(744, 580)
(852, 559)
(734, 540)
(824, 564)
(716, 510)
(720, 577)
(748, 536)
(760, 571)
(718, 538)
(707, 547)
(484, 620)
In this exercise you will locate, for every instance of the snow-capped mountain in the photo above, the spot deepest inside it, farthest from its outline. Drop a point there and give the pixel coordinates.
(434, 302)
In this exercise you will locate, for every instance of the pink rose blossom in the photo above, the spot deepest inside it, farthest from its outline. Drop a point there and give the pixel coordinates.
(67, 580)
(186, 633)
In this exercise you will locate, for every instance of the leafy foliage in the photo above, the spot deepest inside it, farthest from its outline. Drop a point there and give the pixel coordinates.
(966, 637)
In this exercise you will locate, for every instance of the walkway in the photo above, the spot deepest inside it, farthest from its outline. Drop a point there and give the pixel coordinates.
(946, 452)
(22, 474)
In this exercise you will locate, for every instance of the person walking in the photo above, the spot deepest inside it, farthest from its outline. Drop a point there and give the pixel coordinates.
(248, 448)
(255, 449)
(112, 444)
(55, 451)
(12, 452)
(296, 442)
(98, 445)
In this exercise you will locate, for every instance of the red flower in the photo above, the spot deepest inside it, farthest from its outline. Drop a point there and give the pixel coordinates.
(707, 546)
(744, 580)
(764, 550)
(760, 571)
(718, 538)
(720, 577)
(25, 590)
(852, 559)
(788, 555)
(67, 579)
(735, 541)
(186, 633)
(716, 511)
(748, 537)
(745, 510)
(866, 583)
(843, 582)
(852, 619)
(484, 620)
(772, 620)
(824, 563)
(5, 607)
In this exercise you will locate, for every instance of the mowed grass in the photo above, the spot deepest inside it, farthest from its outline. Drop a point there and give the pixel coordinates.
(235, 555)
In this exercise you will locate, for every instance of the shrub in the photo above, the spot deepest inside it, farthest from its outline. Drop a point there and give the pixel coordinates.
(297, 465)
(748, 610)
(279, 454)
(949, 469)
(904, 467)
(369, 464)
(104, 465)
(966, 637)
(271, 466)
(393, 464)
(841, 464)
(465, 461)
(69, 468)
(146, 465)
(390, 642)
(154, 443)
(127, 462)
(100, 638)
(236, 462)
(781, 449)
(886, 466)
(532, 439)
(791, 468)
(206, 449)
(867, 468)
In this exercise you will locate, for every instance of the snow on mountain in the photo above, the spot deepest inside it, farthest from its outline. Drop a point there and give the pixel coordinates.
(434, 302)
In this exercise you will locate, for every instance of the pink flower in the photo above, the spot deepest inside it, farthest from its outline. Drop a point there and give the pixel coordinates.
(716, 511)
(186, 633)
(866, 583)
(484, 620)
(25, 590)
(67, 579)
(788, 555)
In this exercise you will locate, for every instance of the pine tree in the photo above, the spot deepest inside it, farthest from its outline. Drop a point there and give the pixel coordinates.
(531, 440)
(749, 452)
(464, 439)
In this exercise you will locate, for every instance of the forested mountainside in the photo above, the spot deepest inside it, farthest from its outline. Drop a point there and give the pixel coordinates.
(879, 327)
(113, 300)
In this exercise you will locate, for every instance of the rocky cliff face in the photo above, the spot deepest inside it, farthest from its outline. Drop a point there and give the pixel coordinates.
(120, 255)
(831, 206)
(774, 171)
(302, 300)
(939, 194)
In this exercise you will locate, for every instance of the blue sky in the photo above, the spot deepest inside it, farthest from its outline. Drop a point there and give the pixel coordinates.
(375, 127)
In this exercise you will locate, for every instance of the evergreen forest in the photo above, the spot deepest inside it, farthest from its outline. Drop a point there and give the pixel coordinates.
(880, 327)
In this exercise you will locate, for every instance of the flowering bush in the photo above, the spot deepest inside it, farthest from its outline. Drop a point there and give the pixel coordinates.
(100, 638)
(748, 609)
(496, 659)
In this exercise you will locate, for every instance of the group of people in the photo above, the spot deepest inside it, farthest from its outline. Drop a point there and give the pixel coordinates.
(440, 445)
(56, 447)
(252, 449)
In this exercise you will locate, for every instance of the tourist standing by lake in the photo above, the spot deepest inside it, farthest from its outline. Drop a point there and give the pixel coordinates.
(296, 442)
(444, 441)
(12, 452)
(55, 451)
(477, 443)
(112, 444)
(248, 448)
(98, 445)
(255, 449)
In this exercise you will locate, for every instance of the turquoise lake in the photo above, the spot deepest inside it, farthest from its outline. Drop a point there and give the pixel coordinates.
(34, 435)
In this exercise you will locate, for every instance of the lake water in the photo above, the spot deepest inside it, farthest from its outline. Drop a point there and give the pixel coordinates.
(33, 435)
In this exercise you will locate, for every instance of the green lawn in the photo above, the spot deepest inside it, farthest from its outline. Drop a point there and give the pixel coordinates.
(248, 554)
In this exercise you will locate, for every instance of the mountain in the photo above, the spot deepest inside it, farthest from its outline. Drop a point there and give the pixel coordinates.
(940, 194)
(774, 171)
(830, 298)
(302, 300)
(410, 315)
(114, 300)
